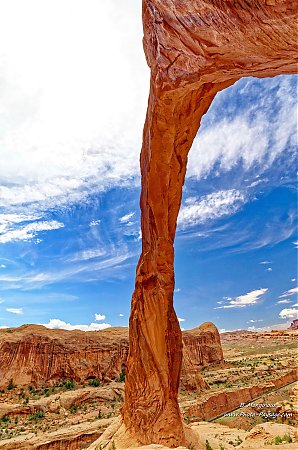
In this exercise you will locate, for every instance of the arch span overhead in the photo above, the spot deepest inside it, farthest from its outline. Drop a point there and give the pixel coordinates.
(194, 48)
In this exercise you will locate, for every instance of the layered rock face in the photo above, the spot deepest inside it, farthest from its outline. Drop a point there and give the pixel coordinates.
(201, 347)
(33, 354)
(194, 49)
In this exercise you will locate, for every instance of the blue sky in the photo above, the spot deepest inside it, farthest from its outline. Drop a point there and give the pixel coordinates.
(72, 111)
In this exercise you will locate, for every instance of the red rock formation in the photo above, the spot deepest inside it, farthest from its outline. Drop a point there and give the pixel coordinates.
(294, 325)
(201, 347)
(194, 49)
(221, 402)
(33, 354)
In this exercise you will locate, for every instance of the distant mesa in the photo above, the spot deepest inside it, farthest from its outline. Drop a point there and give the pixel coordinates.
(36, 355)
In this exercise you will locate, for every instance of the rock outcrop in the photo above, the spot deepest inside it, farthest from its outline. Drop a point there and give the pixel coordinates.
(209, 407)
(201, 347)
(35, 355)
(194, 49)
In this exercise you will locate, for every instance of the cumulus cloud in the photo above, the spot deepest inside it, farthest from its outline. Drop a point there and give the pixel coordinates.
(15, 310)
(209, 207)
(60, 324)
(99, 317)
(289, 313)
(293, 279)
(121, 315)
(29, 231)
(269, 269)
(251, 298)
(289, 292)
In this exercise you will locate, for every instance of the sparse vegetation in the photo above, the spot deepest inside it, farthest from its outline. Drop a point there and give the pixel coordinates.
(122, 376)
(69, 384)
(73, 409)
(11, 385)
(36, 416)
(208, 446)
(94, 382)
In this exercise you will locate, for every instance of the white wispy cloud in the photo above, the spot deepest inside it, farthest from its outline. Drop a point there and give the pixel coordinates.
(269, 269)
(280, 302)
(289, 313)
(121, 315)
(99, 317)
(295, 243)
(277, 326)
(15, 310)
(29, 231)
(212, 206)
(87, 254)
(33, 279)
(126, 218)
(293, 279)
(255, 321)
(60, 324)
(180, 319)
(253, 138)
(93, 223)
(289, 292)
(58, 155)
(251, 298)
(265, 262)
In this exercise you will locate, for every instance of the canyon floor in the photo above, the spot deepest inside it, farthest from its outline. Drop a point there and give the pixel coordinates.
(259, 369)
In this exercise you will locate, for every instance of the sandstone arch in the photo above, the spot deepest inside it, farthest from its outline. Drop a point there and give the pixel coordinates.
(195, 48)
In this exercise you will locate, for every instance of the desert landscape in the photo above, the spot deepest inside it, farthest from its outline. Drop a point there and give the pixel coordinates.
(65, 389)
(81, 208)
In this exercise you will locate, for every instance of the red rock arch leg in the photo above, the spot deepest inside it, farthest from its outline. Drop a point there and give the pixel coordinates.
(194, 48)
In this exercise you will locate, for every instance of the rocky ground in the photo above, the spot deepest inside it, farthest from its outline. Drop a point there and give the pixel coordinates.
(70, 415)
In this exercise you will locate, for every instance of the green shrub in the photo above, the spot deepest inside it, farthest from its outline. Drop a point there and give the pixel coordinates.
(122, 376)
(68, 384)
(208, 446)
(94, 382)
(11, 385)
(37, 416)
(73, 409)
(5, 419)
(277, 440)
(113, 446)
(287, 438)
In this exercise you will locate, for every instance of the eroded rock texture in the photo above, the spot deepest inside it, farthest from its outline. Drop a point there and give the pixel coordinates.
(195, 48)
(201, 347)
(35, 355)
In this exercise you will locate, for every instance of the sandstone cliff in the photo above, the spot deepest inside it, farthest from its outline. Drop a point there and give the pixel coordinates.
(33, 354)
